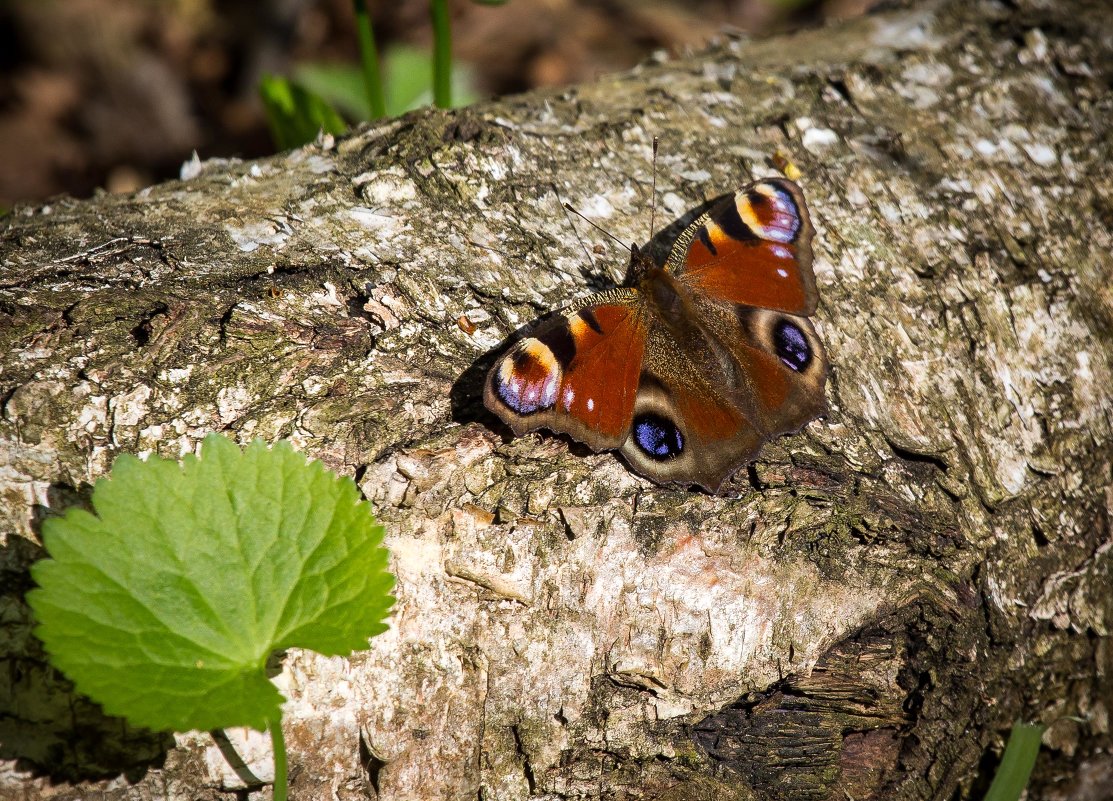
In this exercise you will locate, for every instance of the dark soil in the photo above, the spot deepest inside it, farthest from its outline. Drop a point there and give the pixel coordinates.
(118, 93)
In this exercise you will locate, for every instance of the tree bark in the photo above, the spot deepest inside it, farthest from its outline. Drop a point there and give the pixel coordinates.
(862, 614)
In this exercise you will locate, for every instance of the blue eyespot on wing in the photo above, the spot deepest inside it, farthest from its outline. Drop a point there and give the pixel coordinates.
(791, 345)
(658, 437)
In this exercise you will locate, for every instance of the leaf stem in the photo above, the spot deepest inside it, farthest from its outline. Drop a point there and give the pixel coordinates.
(1016, 763)
(442, 54)
(369, 57)
(278, 746)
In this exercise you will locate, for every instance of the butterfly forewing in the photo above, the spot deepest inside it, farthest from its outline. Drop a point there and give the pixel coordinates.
(576, 374)
(752, 248)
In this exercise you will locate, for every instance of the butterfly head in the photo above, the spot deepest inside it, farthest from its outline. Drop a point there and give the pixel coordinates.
(640, 264)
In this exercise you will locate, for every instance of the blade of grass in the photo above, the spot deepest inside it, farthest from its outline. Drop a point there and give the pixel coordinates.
(442, 54)
(1016, 763)
(369, 56)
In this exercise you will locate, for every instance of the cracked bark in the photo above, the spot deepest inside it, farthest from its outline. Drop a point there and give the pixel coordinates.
(863, 614)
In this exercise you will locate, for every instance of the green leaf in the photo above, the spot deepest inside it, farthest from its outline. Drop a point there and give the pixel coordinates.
(342, 85)
(408, 74)
(1016, 763)
(164, 606)
(409, 81)
(295, 114)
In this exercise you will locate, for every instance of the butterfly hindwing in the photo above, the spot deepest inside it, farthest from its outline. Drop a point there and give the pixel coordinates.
(711, 395)
(781, 366)
(686, 428)
(787, 365)
(754, 248)
(576, 374)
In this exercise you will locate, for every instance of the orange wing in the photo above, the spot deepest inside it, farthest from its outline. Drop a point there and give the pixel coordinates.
(577, 374)
(753, 248)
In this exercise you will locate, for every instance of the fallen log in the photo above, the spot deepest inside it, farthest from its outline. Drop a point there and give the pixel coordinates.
(861, 613)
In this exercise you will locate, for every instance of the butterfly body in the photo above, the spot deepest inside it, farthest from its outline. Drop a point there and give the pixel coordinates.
(692, 366)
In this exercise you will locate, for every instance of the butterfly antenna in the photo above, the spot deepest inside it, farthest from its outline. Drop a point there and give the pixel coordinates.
(653, 193)
(473, 243)
(579, 238)
(601, 230)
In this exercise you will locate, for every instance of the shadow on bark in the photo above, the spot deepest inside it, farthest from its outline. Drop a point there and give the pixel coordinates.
(47, 727)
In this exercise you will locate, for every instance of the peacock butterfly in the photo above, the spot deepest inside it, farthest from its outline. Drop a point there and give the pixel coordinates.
(688, 369)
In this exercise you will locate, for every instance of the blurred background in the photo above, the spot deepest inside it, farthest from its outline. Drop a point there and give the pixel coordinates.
(116, 94)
